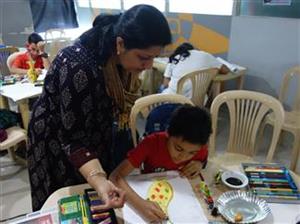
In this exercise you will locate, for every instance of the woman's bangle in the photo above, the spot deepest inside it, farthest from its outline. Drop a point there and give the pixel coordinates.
(96, 173)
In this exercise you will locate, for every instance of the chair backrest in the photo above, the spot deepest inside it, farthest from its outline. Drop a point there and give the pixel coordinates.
(11, 58)
(199, 82)
(4, 54)
(247, 109)
(56, 40)
(145, 104)
(292, 73)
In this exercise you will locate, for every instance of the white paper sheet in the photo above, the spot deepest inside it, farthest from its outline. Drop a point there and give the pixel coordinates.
(184, 207)
(20, 91)
(231, 66)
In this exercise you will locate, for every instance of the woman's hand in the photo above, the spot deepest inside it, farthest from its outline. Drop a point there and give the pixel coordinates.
(112, 196)
(192, 169)
(151, 211)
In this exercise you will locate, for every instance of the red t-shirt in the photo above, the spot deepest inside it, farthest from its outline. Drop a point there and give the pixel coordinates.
(22, 59)
(153, 151)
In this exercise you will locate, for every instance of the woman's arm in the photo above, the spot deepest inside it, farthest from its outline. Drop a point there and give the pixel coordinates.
(96, 177)
(149, 210)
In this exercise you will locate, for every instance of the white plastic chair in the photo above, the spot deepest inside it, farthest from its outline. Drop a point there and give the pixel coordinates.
(11, 59)
(145, 104)
(4, 54)
(56, 40)
(292, 117)
(247, 109)
(15, 135)
(199, 82)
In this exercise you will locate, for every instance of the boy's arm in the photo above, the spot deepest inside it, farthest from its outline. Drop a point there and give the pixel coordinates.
(149, 210)
(19, 71)
(46, 61)
(118, 178)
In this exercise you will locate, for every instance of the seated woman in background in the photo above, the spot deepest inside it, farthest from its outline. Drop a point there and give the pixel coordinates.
(184, 60)
(35, 51)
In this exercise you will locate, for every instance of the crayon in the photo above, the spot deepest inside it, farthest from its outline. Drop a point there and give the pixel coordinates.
(277, 196)
(271, 185)
(265, 170)
(276, 189)
(106, 221)
(268, 175)
(268, 180)
(276, 192)
(103, 215)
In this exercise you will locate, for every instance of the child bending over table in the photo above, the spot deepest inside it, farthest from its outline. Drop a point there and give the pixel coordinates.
(182, 147)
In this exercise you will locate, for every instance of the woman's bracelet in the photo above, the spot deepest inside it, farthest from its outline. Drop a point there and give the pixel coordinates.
(96, 173)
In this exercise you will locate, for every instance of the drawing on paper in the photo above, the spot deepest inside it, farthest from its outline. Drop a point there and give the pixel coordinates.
(161, 191)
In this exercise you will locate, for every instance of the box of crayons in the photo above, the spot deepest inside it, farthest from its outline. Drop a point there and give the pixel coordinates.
(98, 216)
(272, 182)
(83, 209)
(73, 209)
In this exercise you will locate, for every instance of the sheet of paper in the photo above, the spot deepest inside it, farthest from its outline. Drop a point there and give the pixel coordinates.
(184, 207)
(231, 66)
(20, 91)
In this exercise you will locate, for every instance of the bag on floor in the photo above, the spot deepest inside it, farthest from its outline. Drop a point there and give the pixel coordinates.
(8, 119)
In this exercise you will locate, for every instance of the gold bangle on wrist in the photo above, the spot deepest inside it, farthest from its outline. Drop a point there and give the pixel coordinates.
(96, 173)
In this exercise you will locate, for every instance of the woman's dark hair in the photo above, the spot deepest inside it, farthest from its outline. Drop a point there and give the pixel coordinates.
(34, 38)
(182, 50)
(192, 123)
(142, 26)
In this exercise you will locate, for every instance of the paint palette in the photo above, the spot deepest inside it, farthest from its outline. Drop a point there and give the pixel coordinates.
(272, 182)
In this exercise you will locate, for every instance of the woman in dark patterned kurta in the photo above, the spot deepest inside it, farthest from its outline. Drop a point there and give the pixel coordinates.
(87, 86)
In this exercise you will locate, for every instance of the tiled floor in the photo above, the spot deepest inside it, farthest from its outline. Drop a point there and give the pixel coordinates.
(15, 190)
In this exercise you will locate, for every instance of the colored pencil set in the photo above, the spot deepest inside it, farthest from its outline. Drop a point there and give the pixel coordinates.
(272, 182)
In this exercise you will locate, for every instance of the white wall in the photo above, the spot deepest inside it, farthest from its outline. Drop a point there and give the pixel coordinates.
(267, 46)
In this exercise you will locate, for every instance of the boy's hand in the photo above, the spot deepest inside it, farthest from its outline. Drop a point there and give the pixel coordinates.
(192, 169)
(41, 46)
(151, 212)
(38, 71)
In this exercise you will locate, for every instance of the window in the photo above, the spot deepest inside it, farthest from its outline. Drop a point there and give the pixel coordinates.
(159, 4)
(209, 7)
(103, 4)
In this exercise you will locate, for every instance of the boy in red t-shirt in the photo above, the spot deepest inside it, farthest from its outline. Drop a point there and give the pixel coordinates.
(35, 51)
(182, 147)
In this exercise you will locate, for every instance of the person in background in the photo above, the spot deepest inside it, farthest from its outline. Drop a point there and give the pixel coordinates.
(182, 147)
(184, 60)
(89, 86)
(34, 51)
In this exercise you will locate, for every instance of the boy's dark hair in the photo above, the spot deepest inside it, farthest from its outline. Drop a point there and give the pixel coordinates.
(141, 26)
(182, 50)
(192, 123)
(34, 38)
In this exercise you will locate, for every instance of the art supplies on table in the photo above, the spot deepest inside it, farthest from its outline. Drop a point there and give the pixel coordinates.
(73, 209)
(97, 216)
(272, 182)
(82, 209)
(10, 80)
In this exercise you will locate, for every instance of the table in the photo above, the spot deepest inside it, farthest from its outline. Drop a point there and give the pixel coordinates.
(160, 65)
(280, 213)
(20, 94)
